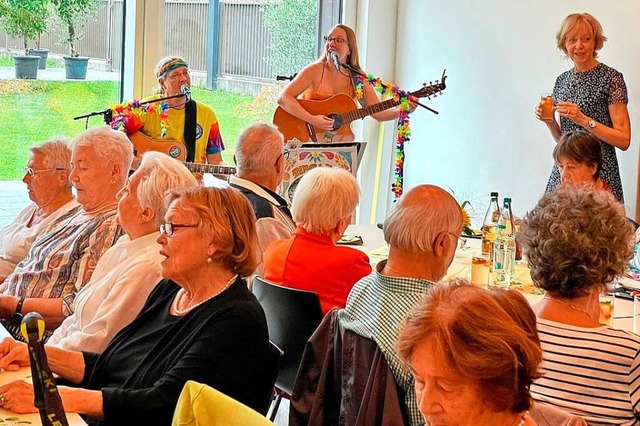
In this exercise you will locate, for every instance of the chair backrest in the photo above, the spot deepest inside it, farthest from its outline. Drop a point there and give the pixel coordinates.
(292, 317)
(275, 353)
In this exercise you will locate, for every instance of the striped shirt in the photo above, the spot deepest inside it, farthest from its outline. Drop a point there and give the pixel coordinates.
(376, 306)
(591, 372)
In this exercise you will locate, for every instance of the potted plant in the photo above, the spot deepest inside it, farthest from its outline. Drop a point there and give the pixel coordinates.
(24, 19)
(41, 52)
(73, 14)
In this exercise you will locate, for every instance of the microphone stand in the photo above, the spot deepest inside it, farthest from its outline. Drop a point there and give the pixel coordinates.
(107, 114)
(360, 73)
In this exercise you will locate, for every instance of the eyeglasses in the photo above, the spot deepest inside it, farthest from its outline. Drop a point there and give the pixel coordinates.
(31, 172)
(168, 228)
(337, 41)
(461, 241)
(285, 154)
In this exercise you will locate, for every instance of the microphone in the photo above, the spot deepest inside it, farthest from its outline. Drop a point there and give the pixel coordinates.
(45, 392)
(336, 59)
(184, 89)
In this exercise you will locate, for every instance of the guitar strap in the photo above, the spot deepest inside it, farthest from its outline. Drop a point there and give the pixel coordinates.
(190, 118)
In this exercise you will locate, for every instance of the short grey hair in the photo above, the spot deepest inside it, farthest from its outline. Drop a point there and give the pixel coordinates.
(420, 215)
(56, 152)
(324, 196)
(258, 148)
(160, 173)
(110, 146)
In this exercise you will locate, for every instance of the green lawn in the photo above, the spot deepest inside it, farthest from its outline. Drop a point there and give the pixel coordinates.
(32, 111)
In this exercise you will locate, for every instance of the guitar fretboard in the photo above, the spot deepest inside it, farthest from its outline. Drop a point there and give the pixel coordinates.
(371, 109)
(210, 168)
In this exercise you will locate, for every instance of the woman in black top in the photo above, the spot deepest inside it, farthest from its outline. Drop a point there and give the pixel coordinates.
(200, 323)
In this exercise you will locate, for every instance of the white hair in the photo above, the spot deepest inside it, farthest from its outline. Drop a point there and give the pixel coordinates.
(258, 148)
(160, 173)
(324, 196)
(420, 215)
(56, 152)
(110, 146)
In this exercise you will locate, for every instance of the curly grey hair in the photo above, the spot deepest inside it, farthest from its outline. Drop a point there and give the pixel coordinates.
(577, 240)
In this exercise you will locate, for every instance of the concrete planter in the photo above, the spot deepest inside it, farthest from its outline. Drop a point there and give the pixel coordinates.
(75, 68)
(26, 66)
(43, 54)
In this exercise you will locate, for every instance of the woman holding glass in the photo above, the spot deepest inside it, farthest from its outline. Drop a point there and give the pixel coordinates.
(590, 96)
(577, 241)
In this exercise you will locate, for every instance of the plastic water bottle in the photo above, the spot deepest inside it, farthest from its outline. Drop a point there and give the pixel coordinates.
(504, 248)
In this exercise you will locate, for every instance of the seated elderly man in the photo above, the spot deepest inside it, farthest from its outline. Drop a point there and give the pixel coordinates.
(61, 262)
(260, 162)
(419, 254)
(310, 260)
(47, 180)
(128, 271)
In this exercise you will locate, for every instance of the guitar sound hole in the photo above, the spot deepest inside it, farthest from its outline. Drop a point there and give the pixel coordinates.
(337, 121)
(175, 152)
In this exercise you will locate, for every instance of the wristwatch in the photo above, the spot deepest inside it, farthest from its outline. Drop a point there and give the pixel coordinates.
(17, 315)
(592, 124)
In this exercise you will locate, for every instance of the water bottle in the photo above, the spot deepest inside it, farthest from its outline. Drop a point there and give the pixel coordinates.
(489, 226)
(504, 248)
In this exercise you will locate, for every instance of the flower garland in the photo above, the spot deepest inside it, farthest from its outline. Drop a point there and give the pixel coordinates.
(126, 116)
(404, 133)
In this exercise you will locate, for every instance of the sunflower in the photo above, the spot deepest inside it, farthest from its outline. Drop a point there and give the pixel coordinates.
(466, 220)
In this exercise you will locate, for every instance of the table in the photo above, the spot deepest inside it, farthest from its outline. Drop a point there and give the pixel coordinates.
(9, 417)
(376, 248)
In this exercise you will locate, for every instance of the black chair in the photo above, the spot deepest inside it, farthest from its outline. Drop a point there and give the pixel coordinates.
(275, 353)
(292, 317)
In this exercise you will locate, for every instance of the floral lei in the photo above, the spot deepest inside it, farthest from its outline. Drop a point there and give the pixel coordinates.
(126, 116)
(404, 132)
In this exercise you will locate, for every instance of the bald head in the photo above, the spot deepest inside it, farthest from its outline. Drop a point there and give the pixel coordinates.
(420, 215)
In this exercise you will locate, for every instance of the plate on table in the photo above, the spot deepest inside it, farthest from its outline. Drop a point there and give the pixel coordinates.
(629, 283)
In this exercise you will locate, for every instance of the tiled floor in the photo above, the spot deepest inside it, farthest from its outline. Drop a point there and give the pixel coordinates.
(13, 198)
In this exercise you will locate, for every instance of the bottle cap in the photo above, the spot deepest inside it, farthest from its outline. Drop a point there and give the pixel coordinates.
(494, 194)
(507, 200)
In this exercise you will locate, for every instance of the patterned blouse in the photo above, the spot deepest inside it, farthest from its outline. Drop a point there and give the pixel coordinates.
(61, 262)
(593, 91)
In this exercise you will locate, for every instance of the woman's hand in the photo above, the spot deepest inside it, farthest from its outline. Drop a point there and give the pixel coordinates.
(322, 122)
(17, 396)
(572, 112)
(13, 355)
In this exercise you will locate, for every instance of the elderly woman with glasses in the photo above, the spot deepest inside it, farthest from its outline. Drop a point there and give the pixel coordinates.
(200, 323)
(47, 178)
(130, 270)
(62, 261)
(322, 79)
(322, 206)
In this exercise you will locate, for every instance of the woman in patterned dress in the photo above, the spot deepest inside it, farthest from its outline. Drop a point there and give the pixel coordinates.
(590, 96)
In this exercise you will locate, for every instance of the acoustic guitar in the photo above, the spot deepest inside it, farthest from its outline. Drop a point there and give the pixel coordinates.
(343, 110)
(174, 149)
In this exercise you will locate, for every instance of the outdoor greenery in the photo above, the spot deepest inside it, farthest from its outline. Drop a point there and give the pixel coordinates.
(293, 26)
(37, 110)
(26, 19)
(7, 61)
(73, 14)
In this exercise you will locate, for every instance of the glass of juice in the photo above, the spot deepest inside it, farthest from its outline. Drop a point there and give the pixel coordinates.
(546, 104)
(480, 269)
(607, 302)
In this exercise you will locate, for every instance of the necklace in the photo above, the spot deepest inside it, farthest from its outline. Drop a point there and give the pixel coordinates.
(523, 419)
(181, 293)
(576, 308)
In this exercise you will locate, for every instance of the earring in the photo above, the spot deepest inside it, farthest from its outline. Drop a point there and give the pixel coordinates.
(209, 260)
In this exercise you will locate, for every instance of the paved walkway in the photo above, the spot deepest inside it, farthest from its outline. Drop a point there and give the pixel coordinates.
(9, 73)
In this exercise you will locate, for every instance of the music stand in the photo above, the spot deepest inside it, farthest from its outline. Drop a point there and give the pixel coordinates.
(307, 156)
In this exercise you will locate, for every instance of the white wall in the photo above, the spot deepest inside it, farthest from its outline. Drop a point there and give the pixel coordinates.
(500, 55)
